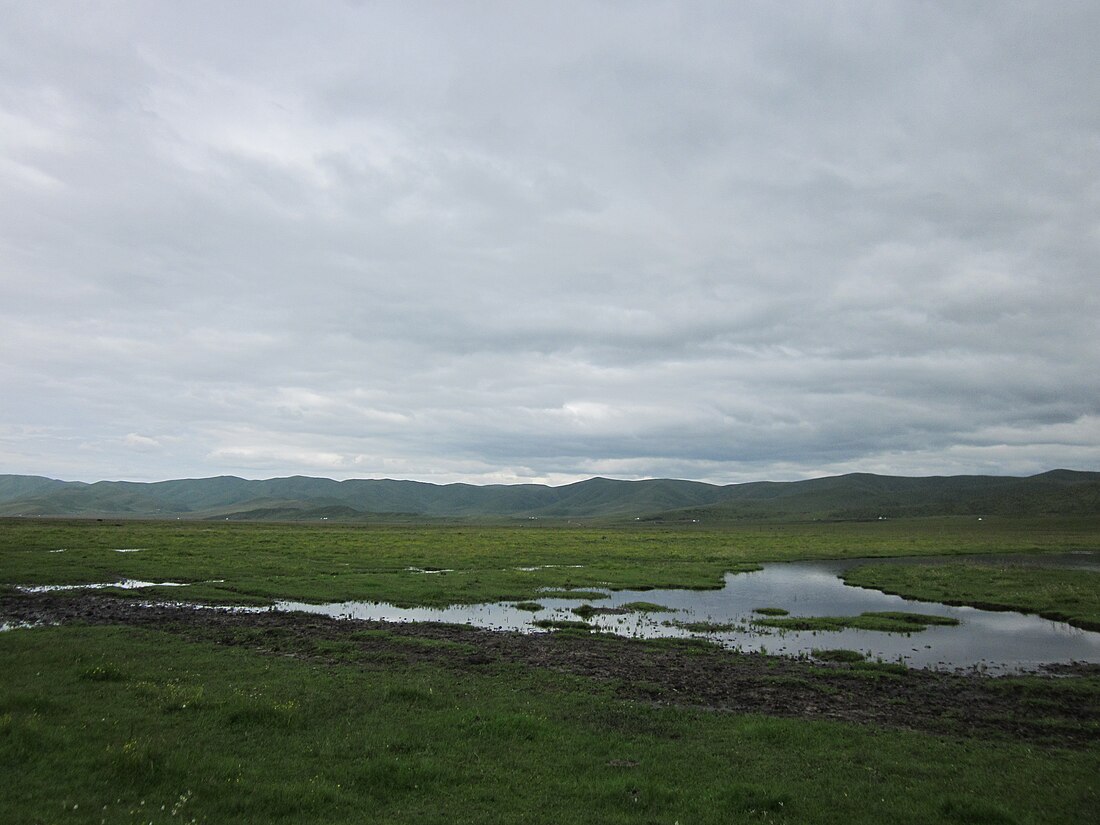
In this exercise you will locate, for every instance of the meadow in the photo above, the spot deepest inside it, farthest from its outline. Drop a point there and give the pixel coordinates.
(299, 719)
(256, 563)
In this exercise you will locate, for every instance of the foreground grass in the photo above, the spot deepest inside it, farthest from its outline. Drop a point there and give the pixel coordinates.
(258, 563)
(1065, 595)
(137, 726)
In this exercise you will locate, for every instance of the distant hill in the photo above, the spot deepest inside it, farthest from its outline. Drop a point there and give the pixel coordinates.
(868, 496)
(853, 496)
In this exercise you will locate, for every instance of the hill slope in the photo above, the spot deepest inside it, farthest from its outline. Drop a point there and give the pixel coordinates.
(858, 495)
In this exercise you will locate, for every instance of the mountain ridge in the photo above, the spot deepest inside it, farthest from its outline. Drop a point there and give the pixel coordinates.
(849, 496)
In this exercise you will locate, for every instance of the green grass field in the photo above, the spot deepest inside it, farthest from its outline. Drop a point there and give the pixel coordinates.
(257, 563)
(128, 725)
(1066, 595)
(135, 726)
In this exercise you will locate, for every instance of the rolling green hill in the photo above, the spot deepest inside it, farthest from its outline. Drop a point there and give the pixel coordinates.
(853, 496)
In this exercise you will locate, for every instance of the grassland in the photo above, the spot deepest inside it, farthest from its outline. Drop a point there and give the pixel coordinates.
(134, 726)
(1065, 595)
(162, 718)
(258, 563)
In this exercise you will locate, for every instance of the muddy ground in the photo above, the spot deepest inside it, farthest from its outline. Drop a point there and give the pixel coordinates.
(1062, 709)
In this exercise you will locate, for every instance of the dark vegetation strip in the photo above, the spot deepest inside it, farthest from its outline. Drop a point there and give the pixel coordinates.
(889, 621)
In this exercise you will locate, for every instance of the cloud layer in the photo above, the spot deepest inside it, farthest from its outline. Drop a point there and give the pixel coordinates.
(504, 242)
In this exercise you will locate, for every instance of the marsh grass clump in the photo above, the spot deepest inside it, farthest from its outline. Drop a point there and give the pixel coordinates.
(648, 607)
(771, 611)
(22, 735)
(531, 607)
(750, 798)
(563, 624)
(641, 796)
(102, 673)
(256, 710)
(925, 619)
(419, 643)
(136, 761)
(339, 650)
(886, 622)
(704, 627)
(587, 611)
(646, 687)
(573, 594)
(973, 812)
(389, 780)
(409, 694)
(881, 668)
(170, 696)
(838, 655)
(688, 647)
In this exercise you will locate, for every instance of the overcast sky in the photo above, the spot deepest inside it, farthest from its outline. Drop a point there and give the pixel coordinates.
(501, 241)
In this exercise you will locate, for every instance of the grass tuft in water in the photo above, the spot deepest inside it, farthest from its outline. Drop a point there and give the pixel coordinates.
(838, 655)
(587, 611)
(913, 618)
(572, 594)
(562, 624)
(771, 611)
(649, 607)
(886, 622)
(705, 627)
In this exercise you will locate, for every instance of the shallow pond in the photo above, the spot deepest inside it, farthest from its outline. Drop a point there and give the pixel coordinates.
(1000, 642)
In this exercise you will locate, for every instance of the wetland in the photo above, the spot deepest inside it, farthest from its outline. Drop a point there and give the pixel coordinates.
(820, 610)
(219, 702)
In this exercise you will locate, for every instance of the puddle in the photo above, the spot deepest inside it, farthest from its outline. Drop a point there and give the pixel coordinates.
(122, 584)
(6, 626)
(995, 641)
(129, 549)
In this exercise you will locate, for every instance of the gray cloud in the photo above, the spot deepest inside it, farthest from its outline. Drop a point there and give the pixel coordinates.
(510, 243)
